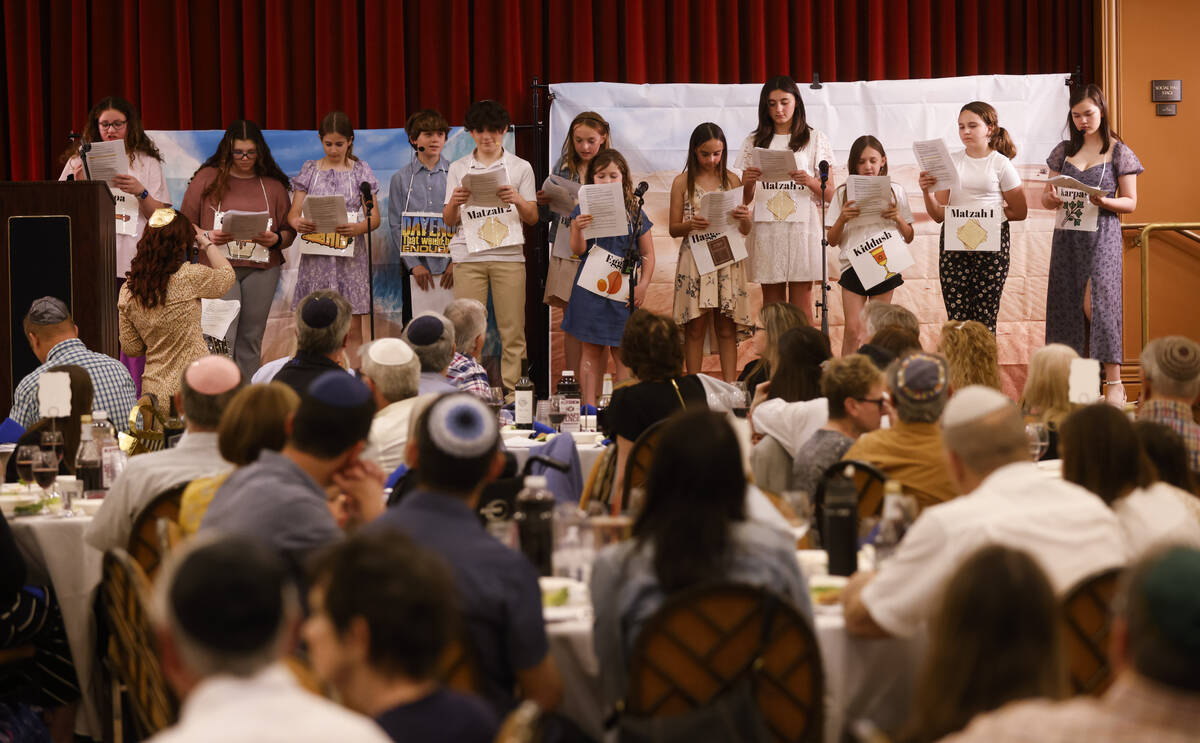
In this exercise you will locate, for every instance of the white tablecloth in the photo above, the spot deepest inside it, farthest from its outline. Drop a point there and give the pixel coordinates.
(864, 677)
(520, 446)
(55, 553)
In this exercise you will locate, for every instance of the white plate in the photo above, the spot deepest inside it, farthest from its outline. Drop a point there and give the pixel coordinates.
(9, 503)
(87, 507)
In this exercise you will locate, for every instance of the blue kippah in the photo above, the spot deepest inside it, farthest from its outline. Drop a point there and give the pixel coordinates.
(462, 426)
(339, 389)
(425, 330)
(319, 312)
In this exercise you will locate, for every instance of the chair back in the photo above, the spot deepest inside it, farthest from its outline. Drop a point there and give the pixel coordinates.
(145, 545)
(522, 725)
(637, 466)
(145, 428)
(1086, 616)
(458, 667)
(705, 640)
(131, 657)
(599, 484)
(868, 485)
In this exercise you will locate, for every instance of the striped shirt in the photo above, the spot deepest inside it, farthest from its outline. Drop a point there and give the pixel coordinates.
(111, 384)
(467, 375)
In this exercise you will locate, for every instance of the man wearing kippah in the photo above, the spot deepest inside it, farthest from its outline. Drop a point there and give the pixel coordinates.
(54, 339)
(911, 450)
(282, 498)
(432, 338)
(1006, 500)
(226, 612)
(391, 371)
(454, 452)
(322, 326)
(1155, 649)
(1170, 385)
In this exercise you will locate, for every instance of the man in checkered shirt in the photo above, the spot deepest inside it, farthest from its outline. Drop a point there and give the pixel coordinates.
(54, 338)
(469, 317)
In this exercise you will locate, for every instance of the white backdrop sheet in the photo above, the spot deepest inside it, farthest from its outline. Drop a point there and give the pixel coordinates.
(651, 125)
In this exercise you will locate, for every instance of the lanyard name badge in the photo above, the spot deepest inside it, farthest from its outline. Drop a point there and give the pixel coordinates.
(974, 229)
(880, 257)
(126, 211)
(781, 201)
(330, 243)
(488, 228)
(246, 250)
(1078, 213)
(423, 233)
(716, 249)
(601, 275)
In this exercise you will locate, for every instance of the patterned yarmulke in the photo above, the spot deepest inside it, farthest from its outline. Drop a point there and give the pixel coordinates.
(971, 403)
(921, 377)
(1172, 602)
(1179, 358)
(338, 389)
(462, 426)
(48, 311)
(425, 330)
(319, 312)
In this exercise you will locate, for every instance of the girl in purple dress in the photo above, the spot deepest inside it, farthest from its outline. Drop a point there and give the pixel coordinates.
(341, 260)
(1085, 258)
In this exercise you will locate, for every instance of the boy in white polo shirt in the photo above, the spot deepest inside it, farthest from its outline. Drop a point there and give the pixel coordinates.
(488, 248)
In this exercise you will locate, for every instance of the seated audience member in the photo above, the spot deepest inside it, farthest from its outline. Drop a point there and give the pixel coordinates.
(206, 387)
(69, 425)
(432, 338)
(455, 451)
(911, 450)
(392, 371)
(54, 339)
(692, 529)
(1046, 398)
(30, 617)
(1153, 646)
(322, 326)
(1170, 385)
(382, 611)
(1006, 500)
(1100, 452)
(971, 354)
(652, 350)
(281, 498)
(469, 318)
(889, 344)
(784, 425)
(1169, 456)
(777, 318)
(226, 611)
(995, 639)
(857, 400)
(880, 315)
(254, 420)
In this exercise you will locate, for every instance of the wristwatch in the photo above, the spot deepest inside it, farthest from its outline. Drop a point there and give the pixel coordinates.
(143, 194)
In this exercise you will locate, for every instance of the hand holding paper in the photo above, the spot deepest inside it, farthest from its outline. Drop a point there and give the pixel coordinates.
(1066, 181)
(561, 193)
(934, 158)
(717, 207)
(605, 202)
(327, 213)
(776, 165)
(873, 193)
(484, 185)
(107, 160)
(244, 225)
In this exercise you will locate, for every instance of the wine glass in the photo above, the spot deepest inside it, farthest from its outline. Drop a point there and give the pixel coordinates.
(25, 454)
(52, 440)
(45, 472)
(6, 452)
(1038, 437)
(495, 401)
(741, 405)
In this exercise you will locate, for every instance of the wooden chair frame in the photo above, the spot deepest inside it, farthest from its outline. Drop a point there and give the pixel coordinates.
(870, 502)
(145, 545)
(1086, 617)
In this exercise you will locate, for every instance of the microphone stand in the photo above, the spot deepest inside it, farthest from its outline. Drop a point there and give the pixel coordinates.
(84, 149)
(368, 204)
(824, 303)
(633, 259)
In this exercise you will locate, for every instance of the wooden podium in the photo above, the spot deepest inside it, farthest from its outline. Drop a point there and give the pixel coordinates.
(57, 238)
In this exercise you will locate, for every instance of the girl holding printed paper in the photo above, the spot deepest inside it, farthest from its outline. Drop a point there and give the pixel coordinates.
(975, 243)
(335, 260)
(873, 240)
(722, 286)
(1085, 256)
(599, 305)
(586, 137)
(242, 175)
(785, 243)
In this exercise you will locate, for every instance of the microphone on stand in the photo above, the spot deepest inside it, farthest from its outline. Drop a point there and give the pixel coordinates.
(823, 168)
(368, 200)
(641, 189)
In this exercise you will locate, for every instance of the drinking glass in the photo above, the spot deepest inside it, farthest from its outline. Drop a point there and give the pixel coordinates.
(25, 454)
(1038, 437)
(6, 452)
(495, 401)
(45, 472)
(52, 440)
(741, 403)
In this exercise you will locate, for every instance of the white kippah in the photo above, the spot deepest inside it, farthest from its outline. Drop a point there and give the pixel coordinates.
(390, 352)
(971, 403)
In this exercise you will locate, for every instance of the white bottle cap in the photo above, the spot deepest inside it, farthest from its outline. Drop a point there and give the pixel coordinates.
(536, 482)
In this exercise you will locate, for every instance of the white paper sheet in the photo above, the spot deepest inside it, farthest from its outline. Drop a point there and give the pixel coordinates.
(872, 193)
(934, 158)
(244, 225)
(1083, 384)
(106, 160)
(483, 185)
(216, 315)
(435, 299)
(606, 203)
(721, 244)
(1066, 181)
(776, 165)
(327, 212)
(717, 207)
(54, 394)
(563, 194)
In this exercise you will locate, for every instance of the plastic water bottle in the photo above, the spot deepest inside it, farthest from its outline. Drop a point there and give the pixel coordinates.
(535, 523)
(112, 459)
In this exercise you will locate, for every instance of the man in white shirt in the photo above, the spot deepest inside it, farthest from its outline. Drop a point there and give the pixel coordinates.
(207, 386)
(488, 249)
(1007, 500)
(391, 371)
(226, 612)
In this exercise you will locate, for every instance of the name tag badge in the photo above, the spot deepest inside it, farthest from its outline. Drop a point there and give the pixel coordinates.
(244, 250)
(712, 251)
(489, 228)
(601, 275)
(126, 212)
(880, 257)
(973, 228)
(1077, 212)
(330, 243)
(424, 233)
(784, 201)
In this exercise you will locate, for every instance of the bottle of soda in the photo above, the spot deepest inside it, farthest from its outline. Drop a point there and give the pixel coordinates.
(87, 461)
(535, 523)
(569, 402)
(112, 459)
(525, 398)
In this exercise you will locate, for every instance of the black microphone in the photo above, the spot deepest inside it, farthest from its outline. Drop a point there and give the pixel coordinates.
(823, 167)
(365, 189)
(641, 189)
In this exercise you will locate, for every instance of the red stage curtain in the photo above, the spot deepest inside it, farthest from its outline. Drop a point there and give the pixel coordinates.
(284, 63)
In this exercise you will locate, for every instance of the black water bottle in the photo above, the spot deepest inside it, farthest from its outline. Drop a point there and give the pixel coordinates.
(840, 530)
(535, 523)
